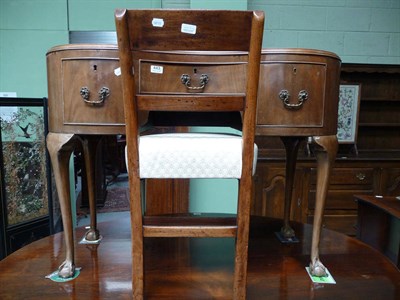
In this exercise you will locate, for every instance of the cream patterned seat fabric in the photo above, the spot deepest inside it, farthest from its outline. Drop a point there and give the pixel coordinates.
(191, 155)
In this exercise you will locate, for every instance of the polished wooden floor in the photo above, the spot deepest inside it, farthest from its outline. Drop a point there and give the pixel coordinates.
(200, 268)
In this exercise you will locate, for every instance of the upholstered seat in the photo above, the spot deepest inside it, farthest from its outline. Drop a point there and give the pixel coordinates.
(192, 155)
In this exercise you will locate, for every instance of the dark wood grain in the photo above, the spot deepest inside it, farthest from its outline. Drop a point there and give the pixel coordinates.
(376, 227)
(390, 205)
(145, 36)
(184, 268)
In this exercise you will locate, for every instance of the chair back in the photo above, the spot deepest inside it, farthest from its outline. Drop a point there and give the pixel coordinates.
(191, 61)
(181, 62)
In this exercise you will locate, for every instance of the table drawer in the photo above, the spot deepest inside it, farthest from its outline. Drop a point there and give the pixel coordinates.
(76, 74)
(166, 77)
(293, 94)
(92, 93)
(298, 92)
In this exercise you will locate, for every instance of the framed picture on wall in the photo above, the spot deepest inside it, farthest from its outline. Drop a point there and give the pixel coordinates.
(349, 106)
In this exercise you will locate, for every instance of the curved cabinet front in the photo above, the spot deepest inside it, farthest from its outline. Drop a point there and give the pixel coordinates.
(85, 92)
(298, 92)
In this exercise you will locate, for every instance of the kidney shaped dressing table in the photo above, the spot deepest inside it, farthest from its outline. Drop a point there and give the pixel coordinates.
(298, 99)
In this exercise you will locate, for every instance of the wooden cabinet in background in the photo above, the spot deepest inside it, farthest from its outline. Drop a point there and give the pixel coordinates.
(390, 181)
(374, 170)
(269, 187)
(348, 178)
(340, 209)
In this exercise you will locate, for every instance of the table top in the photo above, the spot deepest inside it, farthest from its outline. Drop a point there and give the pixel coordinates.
(183, 268)
(390, 204)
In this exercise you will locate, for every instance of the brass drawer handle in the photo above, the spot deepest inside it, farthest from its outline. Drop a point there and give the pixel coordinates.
(361, 176)
(185, 79)
(284, 96)
(103, 94)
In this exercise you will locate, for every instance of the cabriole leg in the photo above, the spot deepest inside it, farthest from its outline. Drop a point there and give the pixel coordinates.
(325, 159)
(60, 147)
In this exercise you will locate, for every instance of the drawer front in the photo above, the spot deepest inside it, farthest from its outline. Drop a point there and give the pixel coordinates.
(344, 223)
(348, 176)
(344, 183)
(339, 199)
(93, 76)
(165, 77)
(282, 85)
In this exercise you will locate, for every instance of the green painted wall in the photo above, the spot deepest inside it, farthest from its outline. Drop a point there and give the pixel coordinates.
(364, 31)
(219, 4)
(98, 15)
(359, 31)
(26, 32)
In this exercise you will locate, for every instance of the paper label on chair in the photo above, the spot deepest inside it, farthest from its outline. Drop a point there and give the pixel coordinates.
(156, 22)
(156, 69)
(188, 28)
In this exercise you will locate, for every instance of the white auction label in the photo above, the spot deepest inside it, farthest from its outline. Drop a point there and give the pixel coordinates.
(188, 28)
(156, 22)
(157, 69)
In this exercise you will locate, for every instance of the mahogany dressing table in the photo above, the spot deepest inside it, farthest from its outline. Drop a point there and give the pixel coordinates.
(298, 99)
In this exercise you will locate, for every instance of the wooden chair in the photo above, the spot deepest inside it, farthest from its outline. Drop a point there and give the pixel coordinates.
(190, 61)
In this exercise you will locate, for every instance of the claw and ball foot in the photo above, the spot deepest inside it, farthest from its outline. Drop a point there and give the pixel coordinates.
(92, 235)
(67, 269)
(317, 268)
(287, 232)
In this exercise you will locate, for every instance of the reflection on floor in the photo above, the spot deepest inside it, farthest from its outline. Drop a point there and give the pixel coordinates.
(103, 217)
(202, 268)
(120, 181)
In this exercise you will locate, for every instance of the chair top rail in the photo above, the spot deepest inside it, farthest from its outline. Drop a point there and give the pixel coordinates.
(167, 30)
